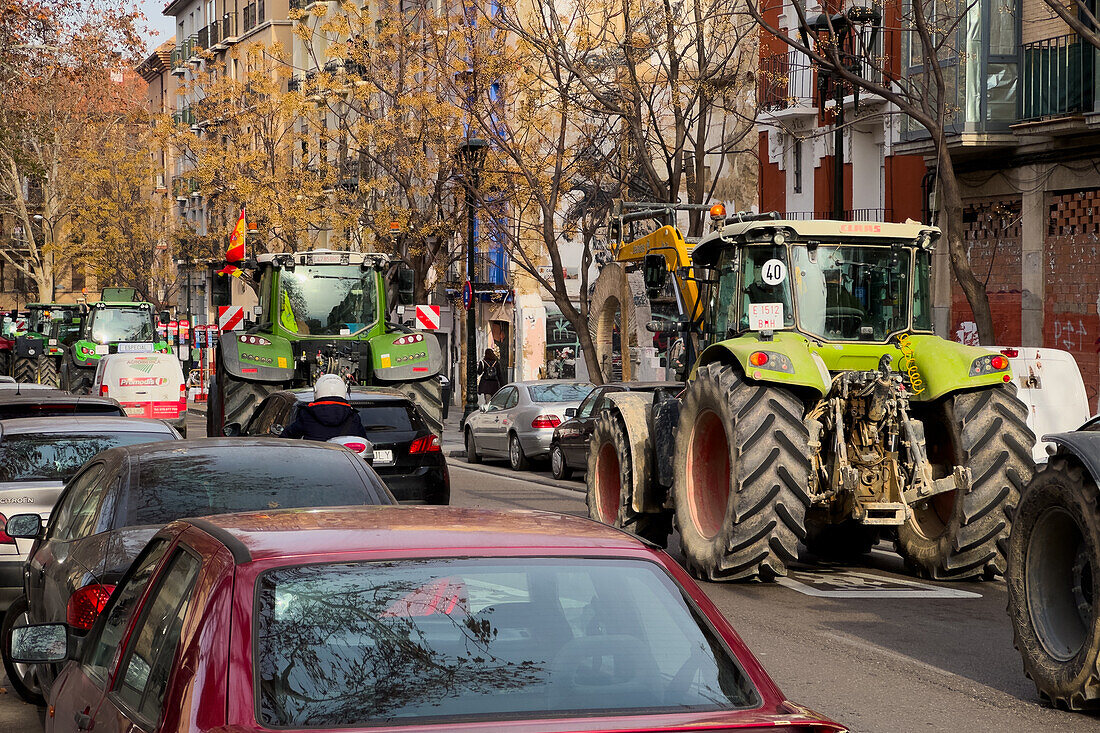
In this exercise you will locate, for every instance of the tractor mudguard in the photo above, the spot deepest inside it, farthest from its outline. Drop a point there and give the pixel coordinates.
(666, 416)
(257, 357)
(1084, 445)
(790, 360)
(635, 411)
(944, 366)
(405, 357)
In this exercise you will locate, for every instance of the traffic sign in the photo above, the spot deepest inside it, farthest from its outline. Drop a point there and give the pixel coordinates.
(173, 328)
(468, 295)
(428, 316)
(185, 331)
(230, 317)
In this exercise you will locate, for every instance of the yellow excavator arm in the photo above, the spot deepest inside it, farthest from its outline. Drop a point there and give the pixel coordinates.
(666, 241)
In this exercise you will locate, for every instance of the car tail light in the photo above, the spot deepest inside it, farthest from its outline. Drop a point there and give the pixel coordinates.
(103, 390)
(1011, 353)
(427, 444)
(183, 397)
(86, 604)
(546, 421)
(5, 538)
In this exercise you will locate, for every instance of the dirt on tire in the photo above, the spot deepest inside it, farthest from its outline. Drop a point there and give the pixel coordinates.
(610, 476)
(964, 536)
(1053, 594)
(741, 476)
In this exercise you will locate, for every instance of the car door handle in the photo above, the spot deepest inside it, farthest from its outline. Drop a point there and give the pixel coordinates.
(84, 719)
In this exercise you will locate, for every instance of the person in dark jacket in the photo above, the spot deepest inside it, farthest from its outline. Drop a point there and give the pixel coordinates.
(329, 415)
(489, 369)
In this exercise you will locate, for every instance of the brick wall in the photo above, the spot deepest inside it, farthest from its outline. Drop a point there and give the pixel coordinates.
(1072, 280)
(1040, 22)
(992, 236)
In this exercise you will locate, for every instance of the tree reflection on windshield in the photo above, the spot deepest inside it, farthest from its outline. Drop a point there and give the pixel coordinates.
(56, 457)
(326, 299)
(355, 644)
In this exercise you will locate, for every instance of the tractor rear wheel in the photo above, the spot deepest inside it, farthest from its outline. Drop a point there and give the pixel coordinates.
(233, 400)
(49, 371)
(964, 536)
(742, 476)
(1053, 584)
(5, 362)
(609, 481)
(25, 370)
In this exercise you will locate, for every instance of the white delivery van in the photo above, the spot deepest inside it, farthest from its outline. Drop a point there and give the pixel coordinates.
(1049, 382)
(146, 385)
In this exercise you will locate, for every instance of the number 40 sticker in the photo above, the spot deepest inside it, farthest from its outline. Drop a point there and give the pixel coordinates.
(773, 272)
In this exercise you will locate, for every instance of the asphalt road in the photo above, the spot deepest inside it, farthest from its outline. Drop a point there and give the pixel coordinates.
(868, 645)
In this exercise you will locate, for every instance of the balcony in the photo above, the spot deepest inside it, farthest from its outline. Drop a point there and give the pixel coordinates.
(785, 82)
(184, 187)
(202, 39)
(213, 34)
(184, 117)
(228, 31)
(1056, 78)
(849, 215)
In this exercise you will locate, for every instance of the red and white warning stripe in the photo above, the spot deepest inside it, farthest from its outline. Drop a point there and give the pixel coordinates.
(230, 317)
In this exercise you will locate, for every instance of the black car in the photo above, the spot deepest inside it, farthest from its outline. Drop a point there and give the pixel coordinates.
(35, 400)
(407, 454)
(120, 498)
(569, 446)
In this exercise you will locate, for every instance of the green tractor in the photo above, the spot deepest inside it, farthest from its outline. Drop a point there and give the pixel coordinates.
(321, 312)
(117, 324)
(821, 409)
(38, 351)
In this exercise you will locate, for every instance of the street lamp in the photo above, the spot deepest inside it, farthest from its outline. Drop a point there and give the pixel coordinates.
(472, 154)
(53, 282)
(837, 30)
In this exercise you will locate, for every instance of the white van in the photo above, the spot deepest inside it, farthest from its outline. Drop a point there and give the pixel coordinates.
(1049, 382)
(146, 385)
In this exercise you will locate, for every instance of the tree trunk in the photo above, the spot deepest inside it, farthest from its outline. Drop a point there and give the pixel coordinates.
(579, 324)
(973, 288)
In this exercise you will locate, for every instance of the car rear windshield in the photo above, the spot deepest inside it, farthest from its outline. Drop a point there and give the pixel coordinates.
(393, 417)
(448, 640)
(57, 456)
(560, 392)
(195, 482)
(55, 409)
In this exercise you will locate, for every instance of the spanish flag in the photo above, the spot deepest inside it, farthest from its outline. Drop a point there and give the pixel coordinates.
(231, 270)
(236, 251)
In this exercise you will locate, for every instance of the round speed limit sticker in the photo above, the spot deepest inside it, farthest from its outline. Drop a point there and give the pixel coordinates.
(773, 272)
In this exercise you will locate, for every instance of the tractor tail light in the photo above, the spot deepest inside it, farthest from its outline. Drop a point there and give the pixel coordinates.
(758, 358)
(426, 444)
(546, 421)
(86, 604)
(999, 362)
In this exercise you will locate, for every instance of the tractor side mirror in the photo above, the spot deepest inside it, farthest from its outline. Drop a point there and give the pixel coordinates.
(655, 274)
(406, 285)
(231, 429)
(165, 317)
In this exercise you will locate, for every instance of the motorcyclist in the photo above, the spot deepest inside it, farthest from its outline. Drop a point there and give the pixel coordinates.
(329, 415)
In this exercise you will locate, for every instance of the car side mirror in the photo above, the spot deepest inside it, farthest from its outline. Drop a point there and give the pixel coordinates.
(231, 429)
(24, 526)
(276, 429)
(571, 412)
(41, 644)
(165, 317)
(483, 408)
(406, 285)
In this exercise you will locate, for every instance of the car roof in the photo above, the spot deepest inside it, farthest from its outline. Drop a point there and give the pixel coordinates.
(291, 533)
(10, 395)
(305, 394)
(201, 445)
(537, 382)
(81, 424)
(643, 386)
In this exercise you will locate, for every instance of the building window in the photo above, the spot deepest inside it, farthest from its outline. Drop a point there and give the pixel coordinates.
(79, 279)
(797, 166)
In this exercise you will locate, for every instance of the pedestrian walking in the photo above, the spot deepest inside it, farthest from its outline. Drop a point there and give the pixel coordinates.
(489, 369)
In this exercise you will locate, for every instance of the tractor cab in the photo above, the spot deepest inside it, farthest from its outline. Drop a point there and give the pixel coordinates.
(832, 281)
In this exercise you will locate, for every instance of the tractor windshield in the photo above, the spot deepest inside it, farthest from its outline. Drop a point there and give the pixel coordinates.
(851, 292)
(113, 325)
(326, 300)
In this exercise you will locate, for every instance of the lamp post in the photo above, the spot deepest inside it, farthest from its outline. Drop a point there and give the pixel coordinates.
(53, 275)
(472, 153)
(187, 264)
(839, 31)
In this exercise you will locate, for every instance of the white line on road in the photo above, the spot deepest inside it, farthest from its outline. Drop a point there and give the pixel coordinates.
(571, 493)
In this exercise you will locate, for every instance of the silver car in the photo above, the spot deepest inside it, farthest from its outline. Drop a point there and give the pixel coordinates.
(37, 456)
(519, 421)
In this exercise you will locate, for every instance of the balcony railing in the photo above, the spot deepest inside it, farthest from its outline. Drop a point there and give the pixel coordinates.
(1056, 77)
(849, 215)
(785, 80)
(228, 26)
(184, 186)
(202, 38)
(184, 117)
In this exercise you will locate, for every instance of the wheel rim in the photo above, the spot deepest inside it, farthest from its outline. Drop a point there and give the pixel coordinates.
(25, 671)
(1059, 584)
(556, 462)
(513, 451)
(608, 483)
(708, 474)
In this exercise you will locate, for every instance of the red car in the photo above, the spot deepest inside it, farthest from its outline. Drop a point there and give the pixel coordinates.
(406, 618)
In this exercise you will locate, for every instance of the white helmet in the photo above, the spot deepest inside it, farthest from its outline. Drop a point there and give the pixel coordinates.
(329, 385)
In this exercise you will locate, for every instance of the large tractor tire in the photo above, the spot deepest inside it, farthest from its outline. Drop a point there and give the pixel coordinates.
(964, 536)
(1053, 588)
(74, 379)
(742, 475)
(610, 476)
(233, 400)
(25, 370)
(5, 362)
(49, 371)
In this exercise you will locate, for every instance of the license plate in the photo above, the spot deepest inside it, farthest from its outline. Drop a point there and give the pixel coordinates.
(134, 348)
(383, 458)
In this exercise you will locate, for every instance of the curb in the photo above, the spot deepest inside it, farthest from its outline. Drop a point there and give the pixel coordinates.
(519, 476)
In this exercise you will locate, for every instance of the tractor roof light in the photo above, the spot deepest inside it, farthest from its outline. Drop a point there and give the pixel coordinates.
(718, 212)
(779, 238)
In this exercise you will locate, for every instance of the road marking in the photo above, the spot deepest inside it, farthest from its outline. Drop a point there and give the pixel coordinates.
(540, 484)
(854, 584)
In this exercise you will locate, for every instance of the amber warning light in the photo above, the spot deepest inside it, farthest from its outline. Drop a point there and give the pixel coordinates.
(718, 211)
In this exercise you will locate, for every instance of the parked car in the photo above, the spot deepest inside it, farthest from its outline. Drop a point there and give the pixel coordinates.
(110, 509)
(519, 421)
(39, 400)
(146, 385)
(407, 454)
(407, 619)
(569, 445)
